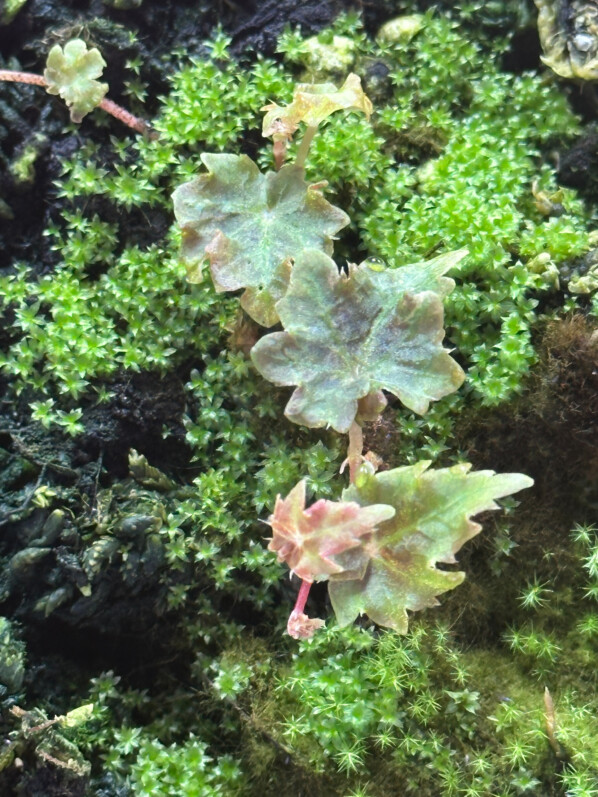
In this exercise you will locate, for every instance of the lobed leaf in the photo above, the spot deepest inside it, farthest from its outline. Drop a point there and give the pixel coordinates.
(308, 540)
(312, 103)
(427, 275)
(251, 225)
(395, 569)
(71, 73)
(347, 336)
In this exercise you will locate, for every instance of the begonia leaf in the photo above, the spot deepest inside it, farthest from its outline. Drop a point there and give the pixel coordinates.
(427, 275)
(308, 540)
(349, 335)
(395, 570)
(71, 73)
(251, 225)
(312, 103)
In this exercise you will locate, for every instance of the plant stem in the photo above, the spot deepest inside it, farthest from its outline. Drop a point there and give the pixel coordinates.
(302, 597)
(21, 77)
(305, 145)
(120, 113)
(279, 150)
(127, 118)
(354, 454)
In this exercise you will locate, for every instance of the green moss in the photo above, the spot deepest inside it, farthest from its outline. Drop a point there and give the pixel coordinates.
(22, 168)
(441, 167)
(12, 660)
(184, 769)
(455, 156)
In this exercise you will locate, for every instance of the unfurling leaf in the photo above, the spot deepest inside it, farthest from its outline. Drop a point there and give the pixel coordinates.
(300, 626)
(347, 336)
(395, 570)
(251, 225)
(312, 103)
(71, 73)
(309, 540)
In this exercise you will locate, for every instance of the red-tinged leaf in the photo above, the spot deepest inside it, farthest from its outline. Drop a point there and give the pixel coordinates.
(251, 226)
(309, 540)
(396, 564)
(300, 626)
(349, 336)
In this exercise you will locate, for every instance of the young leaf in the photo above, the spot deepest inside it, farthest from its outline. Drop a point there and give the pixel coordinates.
(395, 569)
(308, 540)
(347, 336)
(71, 72)
(300, 626)
(251, 225)
(312, 103)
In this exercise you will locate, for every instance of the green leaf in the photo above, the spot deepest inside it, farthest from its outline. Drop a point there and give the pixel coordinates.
(395, 570)
(426, 275)
(71, 72)
(312, 103)
(347, 336)
(251, 225)
(308, 540)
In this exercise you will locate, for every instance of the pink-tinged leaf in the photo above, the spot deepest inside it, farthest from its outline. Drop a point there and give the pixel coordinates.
(309, 540)
(349, 336)
(312, 103)
(432, 520)
(251, 225)
(300, 626)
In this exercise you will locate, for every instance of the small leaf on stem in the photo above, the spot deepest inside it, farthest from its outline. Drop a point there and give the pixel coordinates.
(309, 540)
(312, 103)
(71, 73)
(300, 626)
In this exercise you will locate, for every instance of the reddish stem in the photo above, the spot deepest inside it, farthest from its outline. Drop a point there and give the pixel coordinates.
(302, 597)
(12, 76)
(120, 113)
(126, 117)
(354, 454)
(279, 150)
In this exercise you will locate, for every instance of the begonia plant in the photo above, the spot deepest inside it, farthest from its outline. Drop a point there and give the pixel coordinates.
(348, 336)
